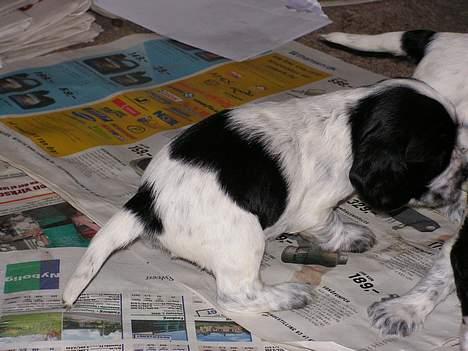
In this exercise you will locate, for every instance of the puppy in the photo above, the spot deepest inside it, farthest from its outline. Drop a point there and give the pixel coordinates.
(441, 64)
(216, 192)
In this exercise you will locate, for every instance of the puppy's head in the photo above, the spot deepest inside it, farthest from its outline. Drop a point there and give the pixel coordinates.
(404, 138)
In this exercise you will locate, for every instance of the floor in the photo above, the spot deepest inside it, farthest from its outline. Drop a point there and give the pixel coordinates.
(381, 16)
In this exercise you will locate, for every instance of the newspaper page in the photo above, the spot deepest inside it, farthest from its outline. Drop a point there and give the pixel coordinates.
(86, 123)
(41, 240)
(32, 216)
(132, 307)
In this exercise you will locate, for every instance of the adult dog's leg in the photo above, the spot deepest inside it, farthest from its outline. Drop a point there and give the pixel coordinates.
(459, 258)
(405, 314)
(411, 43)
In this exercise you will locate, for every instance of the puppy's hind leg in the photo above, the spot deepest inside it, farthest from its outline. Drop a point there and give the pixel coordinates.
(121, 230)
(236, 265)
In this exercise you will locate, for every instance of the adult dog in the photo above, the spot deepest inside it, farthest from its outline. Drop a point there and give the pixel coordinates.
(441, 63)
(216, 192)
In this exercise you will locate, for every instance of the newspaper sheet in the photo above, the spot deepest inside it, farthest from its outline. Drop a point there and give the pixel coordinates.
(43, 26)
(32, 216)
(86, 123)
(159, 314)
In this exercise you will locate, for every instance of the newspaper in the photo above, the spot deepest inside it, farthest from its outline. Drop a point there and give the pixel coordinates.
(32, 216)
(33, 28)
(160, 314)
(86, 123)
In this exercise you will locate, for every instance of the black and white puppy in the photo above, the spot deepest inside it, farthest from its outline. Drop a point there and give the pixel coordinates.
(216, 192)
(441, 59)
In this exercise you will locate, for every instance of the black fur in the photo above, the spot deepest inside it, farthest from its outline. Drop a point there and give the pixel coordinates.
(401, 140)
(414, 43)
(250, 175)
(459, 259)
(142, 206)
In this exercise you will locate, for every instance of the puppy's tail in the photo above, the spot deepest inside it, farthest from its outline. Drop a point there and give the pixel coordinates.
(411, 43)
(122, 229)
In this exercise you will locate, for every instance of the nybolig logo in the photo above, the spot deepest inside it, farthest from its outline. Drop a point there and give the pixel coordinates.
(35, 275)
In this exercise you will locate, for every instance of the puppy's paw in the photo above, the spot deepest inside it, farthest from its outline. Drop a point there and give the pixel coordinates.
(357, 238)
(395, 317)
(68, 299)
(352, 238)
(280, 297)
(72, 291)
(291, 296)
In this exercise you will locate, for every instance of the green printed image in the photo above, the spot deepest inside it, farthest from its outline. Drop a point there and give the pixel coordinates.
(34, 275)
(31, 270)
(30, 327)
(58, 225)
(91, 326)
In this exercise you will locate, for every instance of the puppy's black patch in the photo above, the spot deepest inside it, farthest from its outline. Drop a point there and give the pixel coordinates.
(246, 171)
(459, 260)
(415, 42)
(401, 140)
(142, 206)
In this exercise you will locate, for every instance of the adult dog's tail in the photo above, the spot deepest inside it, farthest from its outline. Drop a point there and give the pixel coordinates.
(411, 43)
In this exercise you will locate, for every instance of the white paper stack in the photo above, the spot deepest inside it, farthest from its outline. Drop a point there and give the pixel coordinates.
(237, 30)
(42, 26)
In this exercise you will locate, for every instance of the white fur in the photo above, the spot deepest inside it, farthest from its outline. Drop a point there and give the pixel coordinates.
(204, 225)
(385, 42)
(117, 233)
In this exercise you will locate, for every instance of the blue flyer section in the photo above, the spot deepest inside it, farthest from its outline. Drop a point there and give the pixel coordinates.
(92, 78)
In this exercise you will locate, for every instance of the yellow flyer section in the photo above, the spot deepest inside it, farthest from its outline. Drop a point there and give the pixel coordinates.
(134, 116)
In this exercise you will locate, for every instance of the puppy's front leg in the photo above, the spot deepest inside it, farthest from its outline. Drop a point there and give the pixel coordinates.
(333, 234)
(403, 315)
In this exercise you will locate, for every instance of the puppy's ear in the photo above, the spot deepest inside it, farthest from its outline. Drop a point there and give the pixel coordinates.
(380, 177)
(401, 140)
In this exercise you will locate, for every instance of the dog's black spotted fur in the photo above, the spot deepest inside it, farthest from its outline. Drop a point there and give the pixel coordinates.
(459, 260)
(248, 173)
(142, 205)
(415, 42)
